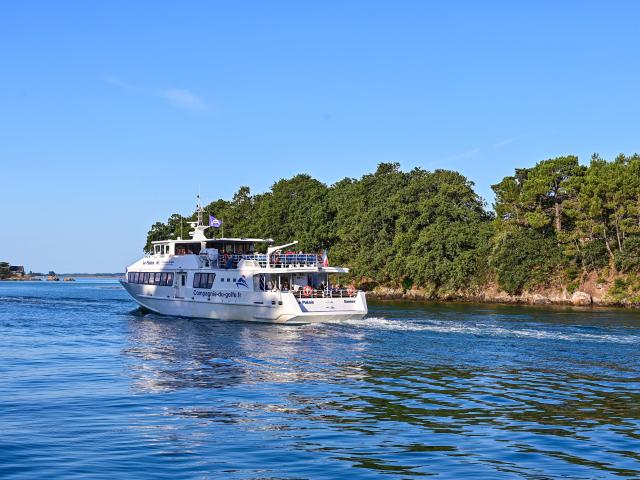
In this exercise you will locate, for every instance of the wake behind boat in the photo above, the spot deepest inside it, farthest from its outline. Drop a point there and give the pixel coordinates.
(229, 279)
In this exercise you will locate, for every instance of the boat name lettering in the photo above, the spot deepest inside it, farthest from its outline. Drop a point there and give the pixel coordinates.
(308, 302)
(349, 301)
(209, 294)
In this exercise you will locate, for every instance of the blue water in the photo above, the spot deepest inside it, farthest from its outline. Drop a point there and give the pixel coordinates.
(92, 387)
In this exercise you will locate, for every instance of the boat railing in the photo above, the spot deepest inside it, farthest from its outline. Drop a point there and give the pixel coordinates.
(285, 260)
(326, 293)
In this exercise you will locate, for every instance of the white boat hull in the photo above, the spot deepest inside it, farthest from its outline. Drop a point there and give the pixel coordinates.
(269, 307)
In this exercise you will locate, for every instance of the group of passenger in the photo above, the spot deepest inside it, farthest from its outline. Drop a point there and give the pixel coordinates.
(224, 258)
(285, 286)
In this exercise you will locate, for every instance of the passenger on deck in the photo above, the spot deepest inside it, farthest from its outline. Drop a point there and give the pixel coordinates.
(212, 253)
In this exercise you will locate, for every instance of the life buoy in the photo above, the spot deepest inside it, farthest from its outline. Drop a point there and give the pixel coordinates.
(351, 291)
(307, 291)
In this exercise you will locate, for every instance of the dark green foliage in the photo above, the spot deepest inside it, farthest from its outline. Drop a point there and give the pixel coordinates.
(5, 270)
(593, 255)
(524, 258)
(629, 259)
(298, 209)
(590, 215)
(554, 222)
(391, 227)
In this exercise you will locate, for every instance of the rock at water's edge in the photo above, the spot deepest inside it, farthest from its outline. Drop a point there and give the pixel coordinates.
(581, 298)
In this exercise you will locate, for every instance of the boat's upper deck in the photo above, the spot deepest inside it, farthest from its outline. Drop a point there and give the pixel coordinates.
(231, 253)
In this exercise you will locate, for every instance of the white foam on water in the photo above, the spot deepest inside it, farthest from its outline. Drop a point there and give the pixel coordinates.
(449, 327)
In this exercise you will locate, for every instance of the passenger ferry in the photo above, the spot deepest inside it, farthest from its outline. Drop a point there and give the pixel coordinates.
(229, 279)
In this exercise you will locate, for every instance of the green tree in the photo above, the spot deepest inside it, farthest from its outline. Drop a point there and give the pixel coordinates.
(524, 258)
(441, 228)
(547, 187)
(535, 197)
(5, 270)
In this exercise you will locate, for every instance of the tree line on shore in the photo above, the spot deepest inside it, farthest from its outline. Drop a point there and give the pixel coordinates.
(551, 224)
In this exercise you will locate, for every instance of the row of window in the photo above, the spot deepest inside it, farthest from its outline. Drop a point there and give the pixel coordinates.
(200, 280)
(203, 280)
(164, 279)
(161, 249)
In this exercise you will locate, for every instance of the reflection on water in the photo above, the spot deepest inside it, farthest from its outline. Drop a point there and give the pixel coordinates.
(377, 395)
(174, 353)
(94, 387)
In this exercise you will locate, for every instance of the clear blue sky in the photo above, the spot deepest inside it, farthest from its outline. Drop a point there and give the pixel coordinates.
(113, 114)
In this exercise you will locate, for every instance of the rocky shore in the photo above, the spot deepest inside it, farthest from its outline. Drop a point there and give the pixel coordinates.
(589, 293)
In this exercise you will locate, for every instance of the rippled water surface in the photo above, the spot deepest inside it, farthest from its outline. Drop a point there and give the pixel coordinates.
(92, 387)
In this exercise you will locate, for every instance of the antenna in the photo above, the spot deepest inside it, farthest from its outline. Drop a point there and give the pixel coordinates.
(199, 208)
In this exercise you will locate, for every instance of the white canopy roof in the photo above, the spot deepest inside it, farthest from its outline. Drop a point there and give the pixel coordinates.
(222, 239)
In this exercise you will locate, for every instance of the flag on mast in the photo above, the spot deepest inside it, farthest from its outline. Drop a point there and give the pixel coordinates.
(325, 258)
(214, 222)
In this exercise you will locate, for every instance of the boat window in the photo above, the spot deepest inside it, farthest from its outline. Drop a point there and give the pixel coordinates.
(203, 280)
(169, 279)
(183, 281)
(146, 278)
(188, 248)
(163, 279)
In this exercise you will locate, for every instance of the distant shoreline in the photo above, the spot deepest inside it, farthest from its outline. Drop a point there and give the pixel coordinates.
(92, 275)
(37, 278)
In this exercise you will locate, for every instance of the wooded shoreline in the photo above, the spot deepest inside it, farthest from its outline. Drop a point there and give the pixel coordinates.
(558, 233)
